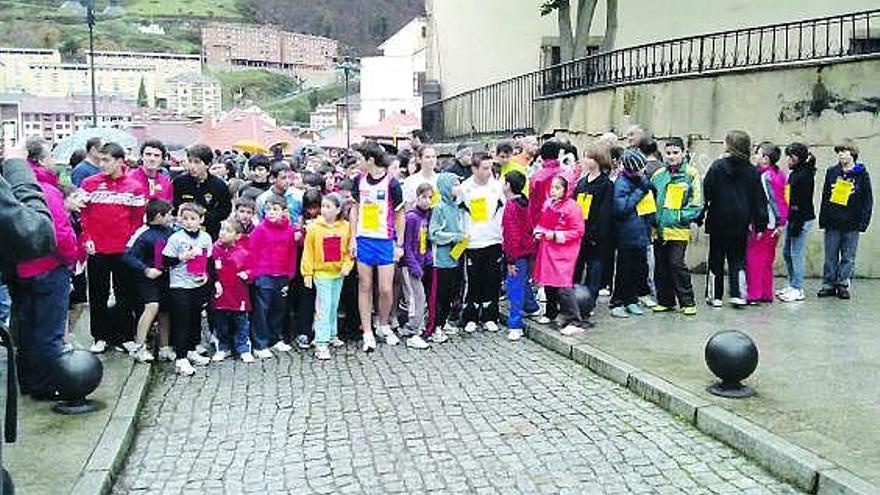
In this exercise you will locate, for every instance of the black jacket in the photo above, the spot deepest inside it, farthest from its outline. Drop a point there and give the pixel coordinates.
(146, 251)
(801, 183)
(856, 215)
(463, 171)
(734, 198)
(212, 194)
(598, 222)
(26, 227)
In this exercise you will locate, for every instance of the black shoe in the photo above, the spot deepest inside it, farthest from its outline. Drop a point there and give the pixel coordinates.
(826, 293)
(843, 293)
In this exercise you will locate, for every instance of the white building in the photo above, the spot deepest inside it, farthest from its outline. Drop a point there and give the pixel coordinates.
(193, 94)
(393, 82)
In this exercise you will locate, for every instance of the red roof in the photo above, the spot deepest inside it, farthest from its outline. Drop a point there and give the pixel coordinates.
(251, 123)
(397, 125)
(337, 140)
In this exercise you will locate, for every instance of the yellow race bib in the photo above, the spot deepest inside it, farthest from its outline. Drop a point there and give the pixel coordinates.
(674, 199)
(458, 249)
(435, 199)
(479, 210)
(369, 216)
(585, 201)
(647, 205)
(841, 191)
(423, 240)
(788, 194)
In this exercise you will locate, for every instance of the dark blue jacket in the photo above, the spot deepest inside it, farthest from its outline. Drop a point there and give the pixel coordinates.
(632, 231)
(145, 248)
(856, 215)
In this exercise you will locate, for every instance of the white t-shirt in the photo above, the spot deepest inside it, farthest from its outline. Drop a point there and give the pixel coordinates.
(485, 205)
(411, 184)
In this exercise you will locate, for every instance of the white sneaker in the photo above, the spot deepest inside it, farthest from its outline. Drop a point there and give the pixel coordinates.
(450, 329)
(336, 342)
(369, 342)
(130, 347)
(247, 358)
(439, 337)
(514, 335)
(322, 352)
(716, 303)
(388, 334)
(263, 354)
(281, 346)
(738, 302)
(98, 347)
(197, 359)
(167, 354)
(201, 350)
(143, 355)
(416, 342)
(183, 367)
(490, 326)
(571, 330)
(647, 301)
(780, 292)
(604, 293)
(219, 356)
(471, 327)
(543, 320)
(792, 295)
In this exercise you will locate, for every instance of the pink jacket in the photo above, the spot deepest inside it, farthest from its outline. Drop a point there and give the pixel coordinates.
(68, 250)
(518, 240)
(273, 250)
(228, 261)
(776, 180)
(557, 257)
(539, 185)
(160, 188)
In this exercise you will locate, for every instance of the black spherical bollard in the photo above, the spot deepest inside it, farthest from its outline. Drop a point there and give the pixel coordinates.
(77, 374)
(585, 301)
(732, 356)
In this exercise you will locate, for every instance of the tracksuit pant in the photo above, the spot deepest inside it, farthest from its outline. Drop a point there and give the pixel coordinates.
(519, 294)
(326, 318)
(760, 255)
(730, 248)
(567, 311)
(186, 318)
(415, 292)
(269, 311)
(443, 285)
(484, 284)
(629, 276)
(113, 325)
(671, 275)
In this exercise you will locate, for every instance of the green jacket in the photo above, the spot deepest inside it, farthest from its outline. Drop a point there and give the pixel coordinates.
(679, 201)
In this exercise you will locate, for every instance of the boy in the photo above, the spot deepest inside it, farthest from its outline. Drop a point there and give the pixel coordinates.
(279, 176)
(186, 255)
(232, 302)
(244, 215)
(259, 166)
(416, 264)
(144, 257)
(847, 203)
(204, 189)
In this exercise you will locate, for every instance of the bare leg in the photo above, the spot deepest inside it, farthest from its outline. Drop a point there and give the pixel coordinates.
(365, 297)
(146, 321)
(386, 292)
(164, 329)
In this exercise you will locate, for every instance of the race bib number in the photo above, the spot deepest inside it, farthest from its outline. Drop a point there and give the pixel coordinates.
(674, 199)
(369, 216)
(332, 249)
(585, 201)
(841, 191)
(479, 210)
(647, 205)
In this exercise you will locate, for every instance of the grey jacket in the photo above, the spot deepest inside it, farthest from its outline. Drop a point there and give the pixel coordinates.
(26, 229)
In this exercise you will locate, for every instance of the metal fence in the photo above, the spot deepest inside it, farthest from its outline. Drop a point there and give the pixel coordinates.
(508, 105)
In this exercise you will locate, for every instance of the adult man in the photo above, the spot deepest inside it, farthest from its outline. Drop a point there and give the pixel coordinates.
(200, 187)
(113, 212)
(504, 154)
(89, 166)
(151, 174)
(461, 166)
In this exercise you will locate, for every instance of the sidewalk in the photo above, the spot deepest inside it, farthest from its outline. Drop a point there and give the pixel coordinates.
(818, 378)
(77, 454)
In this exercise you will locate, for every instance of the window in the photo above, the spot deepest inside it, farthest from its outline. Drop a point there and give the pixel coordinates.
(381, 114)
(418, 83)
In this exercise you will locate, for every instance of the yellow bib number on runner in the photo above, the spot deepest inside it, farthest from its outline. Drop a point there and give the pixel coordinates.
(458, 249)
(423, 240)
(435, 199)
(841, 191)
(479, 211)
(585, 201)
(647, 205)
(788, 194)
(674, 199)
(370, 216)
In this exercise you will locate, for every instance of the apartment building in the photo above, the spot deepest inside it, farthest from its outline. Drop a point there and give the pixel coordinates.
(266, 46)
(193, 94)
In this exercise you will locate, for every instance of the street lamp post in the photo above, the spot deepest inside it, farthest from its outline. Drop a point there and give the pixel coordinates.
(90, 19)
(347, 66)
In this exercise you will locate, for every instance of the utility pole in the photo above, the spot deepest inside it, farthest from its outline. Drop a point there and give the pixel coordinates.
(90, 19)
(347, 66)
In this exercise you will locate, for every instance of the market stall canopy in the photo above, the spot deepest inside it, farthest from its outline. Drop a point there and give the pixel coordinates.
(395, 126)
(251, 124)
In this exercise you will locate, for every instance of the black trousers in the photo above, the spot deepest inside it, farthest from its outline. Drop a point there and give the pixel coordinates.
(484, 284)
(731, 248)
(186, 318)
(303, 302)
(671, 276)
(565, 309)
(113, 325)
(440, 299)
(628, 276)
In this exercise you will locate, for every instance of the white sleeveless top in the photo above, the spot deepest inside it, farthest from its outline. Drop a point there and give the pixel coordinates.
(374, 207)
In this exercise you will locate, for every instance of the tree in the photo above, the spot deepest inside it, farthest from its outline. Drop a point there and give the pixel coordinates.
(610, 25)
(573, 43)
(143, 100)
(379, 27)
(69, 48)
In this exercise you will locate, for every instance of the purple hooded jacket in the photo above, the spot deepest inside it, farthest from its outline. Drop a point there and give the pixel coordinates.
(415, 237)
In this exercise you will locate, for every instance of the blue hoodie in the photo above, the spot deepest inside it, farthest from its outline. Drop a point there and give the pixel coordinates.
(447, 222)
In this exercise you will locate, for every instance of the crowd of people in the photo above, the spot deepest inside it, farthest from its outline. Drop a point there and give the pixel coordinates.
(247, 256)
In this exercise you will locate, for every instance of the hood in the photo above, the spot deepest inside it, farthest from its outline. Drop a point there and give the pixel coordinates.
(733, 166)
(322, 222)
(43, 174)
(280, 224)
(445, 184)
(551, 163)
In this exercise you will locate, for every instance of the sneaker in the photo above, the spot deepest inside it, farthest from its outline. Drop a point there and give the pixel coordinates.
(219, 356)
(570, 330)
(843, 293)
(143, 355)
(282, 346)
(471, 327)
(202, 350)
(515, 334)
(826, 292)
(716, 303)
(450, 329)
(619, 312)
(336, 342)
(530, 314)
(247, 358)
(130, 347)
(322, 352)
(635, 309)
(661, 309)
(543, 320)
(490, 326)
(416, 342)
(197, 359)
(167, 354)
(780, 292)
(98, 347)
(792, 295)
(647, 301)
(737, 302)
(183, 367)
(388, 334)
(263, 354)
(369, 342)
(689, 311)
(604, 293)
(439, 337)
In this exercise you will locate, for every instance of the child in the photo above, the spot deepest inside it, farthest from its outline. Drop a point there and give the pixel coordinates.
(186, 255)
(559, 232)
(245, 209)
(594, 192)
(232, 301)
(679, 203)
(279, 176)
(761, 248)
(303, 300)
(519, 247)
(272, 264)
(632, 228)
(416, 264)
(144, 256)
(801, 217)
(847, 204)
(326, 262)
(445, 230)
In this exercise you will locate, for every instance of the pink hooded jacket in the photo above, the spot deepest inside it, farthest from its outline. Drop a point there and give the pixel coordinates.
(557, 257)
(273, 250)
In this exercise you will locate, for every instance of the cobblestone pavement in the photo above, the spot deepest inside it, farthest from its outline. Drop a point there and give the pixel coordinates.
(477, 415)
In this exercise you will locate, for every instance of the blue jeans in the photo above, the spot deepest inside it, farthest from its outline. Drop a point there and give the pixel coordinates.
(231, 329)
(840, 258)
(269, 312)
(795, 252)
(519, 293)
(42, 316)
(5, 304)
(327, 309)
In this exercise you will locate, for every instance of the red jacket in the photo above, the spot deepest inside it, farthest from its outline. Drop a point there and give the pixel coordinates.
(227, 262)
(115, 210)
(273, 250)
(158, 188)
(67, 251)
(518, 241)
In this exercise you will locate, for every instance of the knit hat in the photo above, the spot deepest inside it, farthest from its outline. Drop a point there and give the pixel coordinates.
(633, 161)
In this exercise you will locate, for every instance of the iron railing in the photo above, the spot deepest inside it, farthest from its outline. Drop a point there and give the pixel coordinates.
(508, 105)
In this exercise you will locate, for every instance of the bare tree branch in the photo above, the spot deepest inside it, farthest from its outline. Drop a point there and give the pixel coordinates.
(585, 11)
(610, 26)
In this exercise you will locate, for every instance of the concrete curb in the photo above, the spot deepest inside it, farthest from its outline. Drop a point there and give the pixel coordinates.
(109, 454)
(782, 458)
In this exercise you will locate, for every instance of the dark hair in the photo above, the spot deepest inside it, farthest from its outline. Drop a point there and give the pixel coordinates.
(246, 203)
(570, 148)
(114, 150)
(336, 200)
(259, 161)
(616, 152)
(771, 151)
(802, 153)
(371, 149)
(550, 150)
(504, 147)
(675, 141)
(94, 142)
(326, 169)
(154, 143)
(418, 133)
(278, 169)
(738, 144)
(563, 180)
(648, 146)
(192, 207)
(237, 227)
(77, 156)
(848, 145)
(277, 201)
(423, 188)
(517, 181)
(202, 152)
(156, 207)
(478, 158)
(37, 148)
(312, 197)
(312, 179)
(346, 185)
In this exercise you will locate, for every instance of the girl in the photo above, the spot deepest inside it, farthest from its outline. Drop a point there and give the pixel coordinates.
(326, 261)
(415, 266)
(801, 217)
(445, 230)
(594, 193)
(761, 247)
(519, 247)
(559, 232)
(304, 297)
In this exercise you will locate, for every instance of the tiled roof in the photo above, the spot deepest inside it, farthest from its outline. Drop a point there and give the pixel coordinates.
(238, 124)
